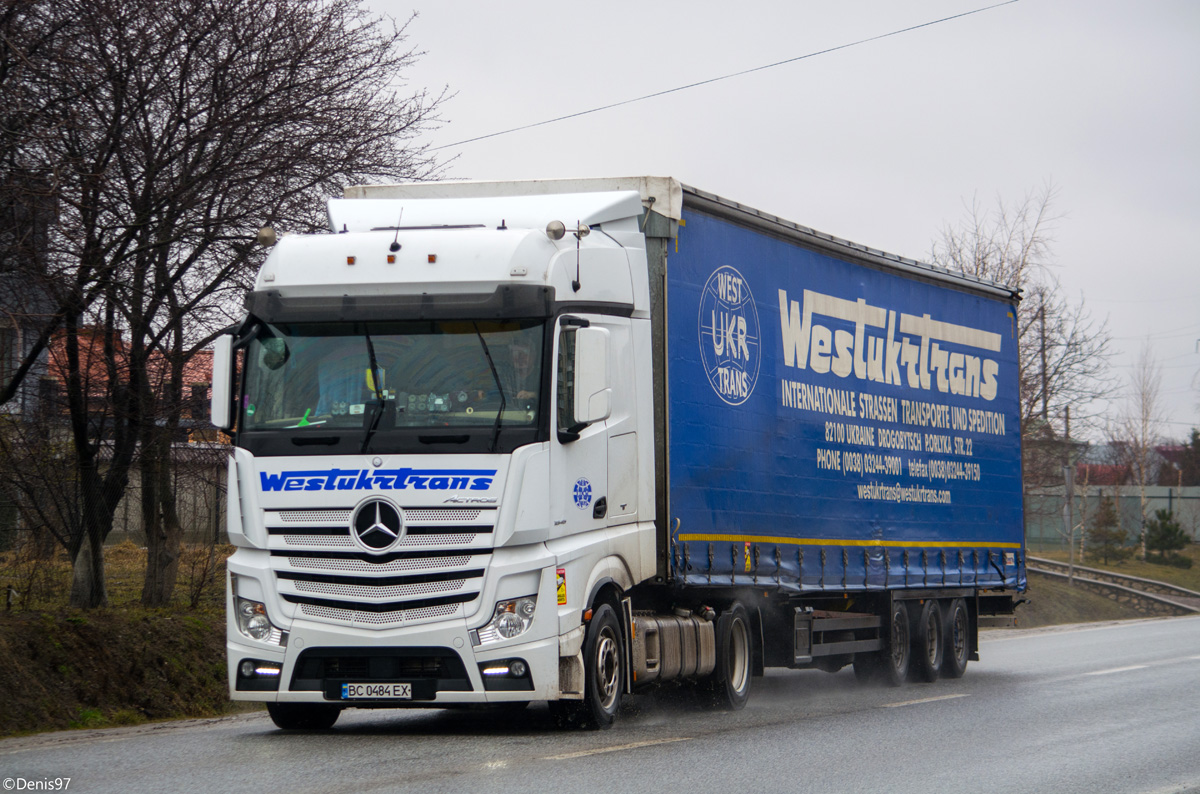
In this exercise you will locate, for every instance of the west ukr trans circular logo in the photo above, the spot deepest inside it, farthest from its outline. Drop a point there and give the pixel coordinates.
(582, 493)
(729, 335)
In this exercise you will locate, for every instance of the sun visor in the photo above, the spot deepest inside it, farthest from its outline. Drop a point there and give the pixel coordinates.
(520, 212)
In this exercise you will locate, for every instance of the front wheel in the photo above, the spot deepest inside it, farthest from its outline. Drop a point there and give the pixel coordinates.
(729, 684)
(303, 716)
(603, 657)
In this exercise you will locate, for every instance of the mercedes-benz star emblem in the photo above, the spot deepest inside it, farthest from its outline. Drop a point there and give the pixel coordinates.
(377, 525)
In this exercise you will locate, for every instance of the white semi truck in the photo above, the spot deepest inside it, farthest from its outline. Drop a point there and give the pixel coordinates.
(559, 440)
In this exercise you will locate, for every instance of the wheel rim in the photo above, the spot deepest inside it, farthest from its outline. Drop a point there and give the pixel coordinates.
(608, 668)
(738, 664)
(959, 631)
(931, 636)
(899, 641)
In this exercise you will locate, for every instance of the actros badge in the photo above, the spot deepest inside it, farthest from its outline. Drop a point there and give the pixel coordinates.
(729, 335)
(376, 525)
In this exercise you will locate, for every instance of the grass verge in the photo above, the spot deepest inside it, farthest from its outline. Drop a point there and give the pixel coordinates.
(122, 665)
(1053, 602)
(1180, 577)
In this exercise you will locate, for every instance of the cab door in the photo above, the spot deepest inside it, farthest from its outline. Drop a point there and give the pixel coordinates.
(579, 441)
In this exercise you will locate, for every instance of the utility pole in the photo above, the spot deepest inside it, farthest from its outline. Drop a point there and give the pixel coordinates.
(1045, 390)
(1068, 513)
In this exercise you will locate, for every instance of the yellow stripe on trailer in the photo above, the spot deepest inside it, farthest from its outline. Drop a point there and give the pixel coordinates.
(911, 544)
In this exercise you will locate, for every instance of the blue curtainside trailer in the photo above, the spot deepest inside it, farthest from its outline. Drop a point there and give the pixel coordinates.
(840, 420)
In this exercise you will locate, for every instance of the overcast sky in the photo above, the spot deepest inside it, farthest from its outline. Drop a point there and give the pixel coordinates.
(881, 143)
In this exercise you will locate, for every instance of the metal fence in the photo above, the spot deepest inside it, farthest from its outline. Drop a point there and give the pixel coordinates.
(1045, 528)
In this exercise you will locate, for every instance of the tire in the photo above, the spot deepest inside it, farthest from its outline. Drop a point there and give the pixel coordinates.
(927, 643)
(729, 685)
(893, 661)
(303, 716)
(604, 676)
(957, 640)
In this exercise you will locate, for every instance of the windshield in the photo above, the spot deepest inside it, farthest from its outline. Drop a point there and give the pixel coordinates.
(315, 378)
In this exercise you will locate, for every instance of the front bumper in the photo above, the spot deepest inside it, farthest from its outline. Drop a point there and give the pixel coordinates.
(436, 658)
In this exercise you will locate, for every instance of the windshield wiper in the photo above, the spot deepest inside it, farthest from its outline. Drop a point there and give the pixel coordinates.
(496, 377)
(380, 402)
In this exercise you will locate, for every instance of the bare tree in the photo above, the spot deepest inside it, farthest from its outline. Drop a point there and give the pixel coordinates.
(1138, 429)
(1062, 350)
(190, 125)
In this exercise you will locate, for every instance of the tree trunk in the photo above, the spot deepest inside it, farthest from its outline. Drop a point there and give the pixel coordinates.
(161, 521)
(88, 588)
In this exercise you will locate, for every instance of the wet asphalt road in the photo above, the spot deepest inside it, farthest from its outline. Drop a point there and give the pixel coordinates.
(1095, 709)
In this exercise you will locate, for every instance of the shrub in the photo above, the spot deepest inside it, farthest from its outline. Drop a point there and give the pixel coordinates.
(1164, 535)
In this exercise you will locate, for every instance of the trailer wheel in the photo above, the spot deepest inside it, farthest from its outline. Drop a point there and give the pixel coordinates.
(303, 716)
(729, 685)
(893, 662)
(927, 643)
(957, 640)
(604, 677)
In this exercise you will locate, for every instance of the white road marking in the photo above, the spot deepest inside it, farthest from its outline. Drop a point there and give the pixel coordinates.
(1119, 669)
(923, 700)
(616, 748)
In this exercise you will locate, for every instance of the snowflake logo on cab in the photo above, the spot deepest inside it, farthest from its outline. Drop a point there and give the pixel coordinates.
(583, 493)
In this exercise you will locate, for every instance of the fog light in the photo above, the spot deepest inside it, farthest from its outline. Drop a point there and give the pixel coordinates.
(257, 675)
(506, 675)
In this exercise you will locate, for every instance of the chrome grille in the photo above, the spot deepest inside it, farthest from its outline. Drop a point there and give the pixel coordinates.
(362, 566)
(321, 570)
(314, 516)
(342, 541)
(416, 515)
(378, 618)
(441, 516)
(387, 591)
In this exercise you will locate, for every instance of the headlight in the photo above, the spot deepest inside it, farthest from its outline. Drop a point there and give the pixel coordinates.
(252, 621)
(510, 619)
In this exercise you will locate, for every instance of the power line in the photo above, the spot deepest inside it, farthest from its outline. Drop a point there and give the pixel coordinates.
(722, 77)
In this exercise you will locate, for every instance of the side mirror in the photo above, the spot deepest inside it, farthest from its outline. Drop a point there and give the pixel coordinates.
(584, 393)
(593, 392)
(222, 382)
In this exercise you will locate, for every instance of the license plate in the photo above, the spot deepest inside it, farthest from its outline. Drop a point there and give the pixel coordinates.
(377, 691)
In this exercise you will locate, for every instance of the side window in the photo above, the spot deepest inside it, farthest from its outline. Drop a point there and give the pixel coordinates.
(566, 381)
